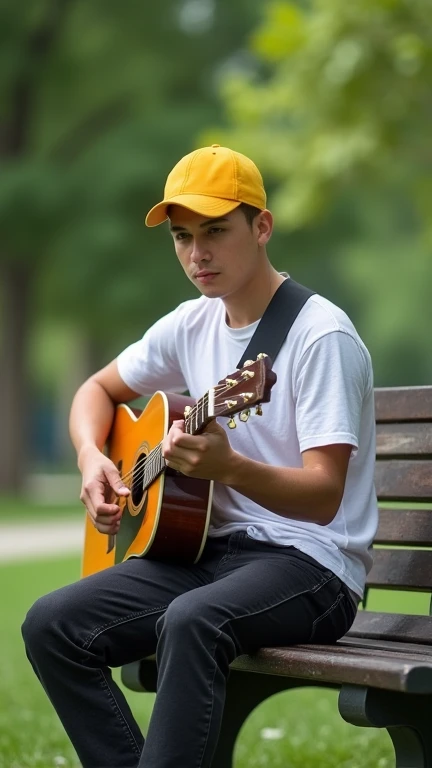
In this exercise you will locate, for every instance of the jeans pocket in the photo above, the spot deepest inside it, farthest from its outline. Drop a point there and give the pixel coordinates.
(334, 622)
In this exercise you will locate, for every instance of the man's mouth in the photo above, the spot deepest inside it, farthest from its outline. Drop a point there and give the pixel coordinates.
(204, 276)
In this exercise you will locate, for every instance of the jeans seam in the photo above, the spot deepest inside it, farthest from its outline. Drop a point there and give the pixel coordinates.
(212, 701)
(312, 590)
(222, 562)
(326, 613)
(276, 605)
(119, 713)
(123, 620)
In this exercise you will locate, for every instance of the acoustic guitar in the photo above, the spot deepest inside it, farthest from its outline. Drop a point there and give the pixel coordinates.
(167, 514)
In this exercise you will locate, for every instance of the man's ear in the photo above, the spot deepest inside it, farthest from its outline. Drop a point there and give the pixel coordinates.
(264, 224)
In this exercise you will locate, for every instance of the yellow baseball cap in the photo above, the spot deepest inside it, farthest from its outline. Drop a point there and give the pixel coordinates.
(211, 181)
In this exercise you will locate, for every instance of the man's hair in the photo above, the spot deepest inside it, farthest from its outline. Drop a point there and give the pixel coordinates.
(249, 212)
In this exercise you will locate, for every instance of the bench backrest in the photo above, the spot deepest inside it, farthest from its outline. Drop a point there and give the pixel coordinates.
(403, 474)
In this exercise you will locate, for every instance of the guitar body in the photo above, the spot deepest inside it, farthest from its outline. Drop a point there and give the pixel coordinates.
(167, 520)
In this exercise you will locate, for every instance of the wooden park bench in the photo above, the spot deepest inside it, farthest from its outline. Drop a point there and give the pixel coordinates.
(383, 666)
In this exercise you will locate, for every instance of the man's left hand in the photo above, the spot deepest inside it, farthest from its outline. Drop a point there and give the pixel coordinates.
(208, 455)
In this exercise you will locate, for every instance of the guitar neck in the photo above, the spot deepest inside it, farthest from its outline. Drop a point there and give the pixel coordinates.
(225, 399)
(196, 419)
(201, 414)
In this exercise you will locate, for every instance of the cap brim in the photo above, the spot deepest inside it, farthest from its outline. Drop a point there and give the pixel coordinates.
(204, 205)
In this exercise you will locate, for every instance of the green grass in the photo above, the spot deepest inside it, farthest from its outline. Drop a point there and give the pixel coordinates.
(306, 729)
(15, 510)
(296, 729)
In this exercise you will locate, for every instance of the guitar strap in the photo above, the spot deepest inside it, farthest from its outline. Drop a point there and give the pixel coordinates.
(276, 321)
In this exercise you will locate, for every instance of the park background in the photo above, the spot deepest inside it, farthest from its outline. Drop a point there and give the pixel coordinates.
(99, 99)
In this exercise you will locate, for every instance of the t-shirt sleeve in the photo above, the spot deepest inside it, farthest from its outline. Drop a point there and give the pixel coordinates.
(330, 382)
(152, 363)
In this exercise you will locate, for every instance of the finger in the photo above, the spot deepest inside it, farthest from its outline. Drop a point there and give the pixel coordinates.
(86, 500)
(109, 510)
(96, 491)
(169, 444)
(107, 519)
(178, 424)
(116, 483)
(108, 529)
(181, 455)
(192, 442)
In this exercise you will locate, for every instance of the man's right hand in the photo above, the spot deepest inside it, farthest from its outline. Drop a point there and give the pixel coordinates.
(100, 481)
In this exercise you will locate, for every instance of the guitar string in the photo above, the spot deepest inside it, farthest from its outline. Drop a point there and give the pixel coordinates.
(150, 460)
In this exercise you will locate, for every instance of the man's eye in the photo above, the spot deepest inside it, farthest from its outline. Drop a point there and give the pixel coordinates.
(214, 230)
(181, 235)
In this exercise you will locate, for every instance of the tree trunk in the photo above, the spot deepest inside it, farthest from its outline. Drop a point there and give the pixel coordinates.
(17, 279)
(16, 285)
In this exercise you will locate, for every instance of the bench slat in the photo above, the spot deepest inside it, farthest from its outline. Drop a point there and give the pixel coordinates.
(410, 527)
(374, 654)
(402, 569)
(404, 440)
(403, 480)
(392, 626)
(332, 664)
(366, 644)
(403, 404)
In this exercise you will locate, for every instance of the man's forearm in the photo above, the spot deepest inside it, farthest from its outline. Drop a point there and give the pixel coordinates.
(299, 493)
(91, 417)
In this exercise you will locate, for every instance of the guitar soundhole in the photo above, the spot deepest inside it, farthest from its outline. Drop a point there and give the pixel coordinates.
(137, 483)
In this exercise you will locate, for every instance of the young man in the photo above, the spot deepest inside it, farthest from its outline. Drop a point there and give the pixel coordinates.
(294, 509)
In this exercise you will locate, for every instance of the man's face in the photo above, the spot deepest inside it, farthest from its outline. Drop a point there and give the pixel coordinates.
(219, 255)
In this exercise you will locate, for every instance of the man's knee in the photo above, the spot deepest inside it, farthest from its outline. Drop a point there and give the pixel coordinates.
(185, 616)
(39, 627)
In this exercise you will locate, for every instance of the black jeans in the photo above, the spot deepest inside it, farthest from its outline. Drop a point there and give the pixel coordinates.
(242, 595)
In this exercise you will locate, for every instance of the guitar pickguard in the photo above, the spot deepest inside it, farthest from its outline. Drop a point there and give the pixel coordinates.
(129, 527)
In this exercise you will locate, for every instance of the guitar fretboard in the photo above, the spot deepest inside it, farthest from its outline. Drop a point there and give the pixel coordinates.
(200, 415)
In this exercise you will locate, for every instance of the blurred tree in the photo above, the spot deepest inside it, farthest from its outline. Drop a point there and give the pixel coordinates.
(98, 100)
(337, 112)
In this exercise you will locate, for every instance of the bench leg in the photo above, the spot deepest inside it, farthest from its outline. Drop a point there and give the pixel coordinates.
(245, 691)
(404, 715)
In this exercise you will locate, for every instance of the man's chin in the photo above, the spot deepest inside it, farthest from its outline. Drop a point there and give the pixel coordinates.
(211, 291)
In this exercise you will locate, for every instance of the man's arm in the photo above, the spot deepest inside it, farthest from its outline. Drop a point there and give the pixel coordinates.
(312, 493)
(93, 407)
(91, 417)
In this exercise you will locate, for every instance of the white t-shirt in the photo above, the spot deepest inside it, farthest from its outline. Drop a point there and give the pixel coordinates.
(323, 395)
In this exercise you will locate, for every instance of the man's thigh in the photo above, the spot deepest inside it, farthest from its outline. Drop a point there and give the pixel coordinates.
(269, 596)
(112, 614)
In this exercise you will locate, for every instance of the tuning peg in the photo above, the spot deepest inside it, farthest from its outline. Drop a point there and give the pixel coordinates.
(187, 411)
(232, 382)
(261, 356)
(244, 415)
(230, 403)
(231, 423)
(258, 410)
(248, 375)
(248, 362)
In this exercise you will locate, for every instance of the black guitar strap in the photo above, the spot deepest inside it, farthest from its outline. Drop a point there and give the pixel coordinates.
(277, 320)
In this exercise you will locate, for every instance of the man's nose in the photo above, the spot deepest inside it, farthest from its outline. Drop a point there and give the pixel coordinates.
(199, 252)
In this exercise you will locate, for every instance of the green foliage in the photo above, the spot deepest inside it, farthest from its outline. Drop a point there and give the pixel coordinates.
(345, 89)
(336, 112)
(114, 102)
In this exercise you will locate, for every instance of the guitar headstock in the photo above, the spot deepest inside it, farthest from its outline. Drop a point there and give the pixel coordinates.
(248, 386)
